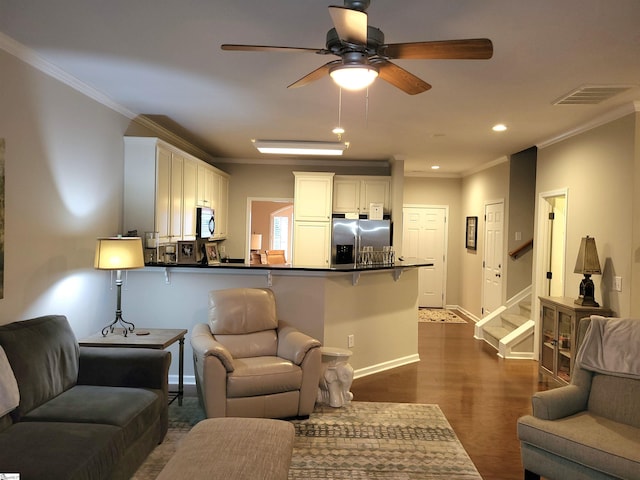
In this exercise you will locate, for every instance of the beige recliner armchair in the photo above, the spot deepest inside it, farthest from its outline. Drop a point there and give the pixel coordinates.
(589, 429)
(247, 364)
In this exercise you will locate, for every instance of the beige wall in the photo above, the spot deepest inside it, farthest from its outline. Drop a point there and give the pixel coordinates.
(477, 190)
(63, 189)
(442, 191)
(598, 168)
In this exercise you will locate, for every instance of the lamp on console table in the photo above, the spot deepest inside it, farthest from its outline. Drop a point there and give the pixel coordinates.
(256, 246)
(587, 264)
(119, 253)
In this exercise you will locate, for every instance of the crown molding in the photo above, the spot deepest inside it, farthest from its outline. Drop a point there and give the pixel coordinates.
(421, 174)
(308, 162)
(485, 166)
(175, 140)
(610, 116)
(29, 56)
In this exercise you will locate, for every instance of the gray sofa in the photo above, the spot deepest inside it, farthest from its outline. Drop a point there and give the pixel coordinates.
(83, 413)
(589, 429)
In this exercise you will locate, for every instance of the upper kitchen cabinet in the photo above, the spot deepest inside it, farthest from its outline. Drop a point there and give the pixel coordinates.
(313, 196)
(213, 192)
(221, 207)
(162, 189)
(354, 194)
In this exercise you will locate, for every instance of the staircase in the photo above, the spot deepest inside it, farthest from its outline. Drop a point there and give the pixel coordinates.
(510, 328)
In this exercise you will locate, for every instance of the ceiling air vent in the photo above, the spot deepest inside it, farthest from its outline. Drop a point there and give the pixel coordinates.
(591, 94)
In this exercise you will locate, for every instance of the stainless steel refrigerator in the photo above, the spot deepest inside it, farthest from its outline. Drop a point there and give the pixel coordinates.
(349, 236)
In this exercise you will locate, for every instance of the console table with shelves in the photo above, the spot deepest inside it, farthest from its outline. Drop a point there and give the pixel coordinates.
(559, 317)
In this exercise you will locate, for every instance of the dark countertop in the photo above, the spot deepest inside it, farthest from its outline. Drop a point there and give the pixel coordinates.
(409, 262)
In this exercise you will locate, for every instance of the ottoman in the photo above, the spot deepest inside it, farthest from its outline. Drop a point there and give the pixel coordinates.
(233, 449)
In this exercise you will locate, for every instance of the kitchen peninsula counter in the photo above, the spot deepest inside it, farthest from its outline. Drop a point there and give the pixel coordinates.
(377, 305)
(346, 268)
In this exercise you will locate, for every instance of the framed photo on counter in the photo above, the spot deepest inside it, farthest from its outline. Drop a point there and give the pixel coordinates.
(213, 257)
(187, 252)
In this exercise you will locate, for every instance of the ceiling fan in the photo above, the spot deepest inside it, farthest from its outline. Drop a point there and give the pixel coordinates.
(364, 55)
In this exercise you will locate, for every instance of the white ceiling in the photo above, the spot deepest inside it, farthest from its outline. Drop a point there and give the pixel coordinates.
(163, 59)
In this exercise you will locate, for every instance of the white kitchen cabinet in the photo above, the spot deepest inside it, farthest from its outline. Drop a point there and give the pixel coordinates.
(162, 189)
(313, 196)
(312, 208)
(346, 194)
(206, 189)
(189, 197)
(162, 198)
(213, 192)
(354, 194)
(311, 244)
(222, 208)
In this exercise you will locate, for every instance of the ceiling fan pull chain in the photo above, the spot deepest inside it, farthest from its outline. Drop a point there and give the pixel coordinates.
(366, 109)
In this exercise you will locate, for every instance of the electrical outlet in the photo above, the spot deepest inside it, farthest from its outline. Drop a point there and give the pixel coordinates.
(351, 341)
(617, 284)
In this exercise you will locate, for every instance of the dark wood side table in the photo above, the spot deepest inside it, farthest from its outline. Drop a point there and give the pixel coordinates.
(158, 338)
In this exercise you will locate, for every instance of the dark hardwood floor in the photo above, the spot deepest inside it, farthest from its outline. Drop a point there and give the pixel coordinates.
(481, 394)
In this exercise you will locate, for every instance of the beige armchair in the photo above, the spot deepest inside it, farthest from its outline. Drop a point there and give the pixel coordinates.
(590, 428)
(247, 364)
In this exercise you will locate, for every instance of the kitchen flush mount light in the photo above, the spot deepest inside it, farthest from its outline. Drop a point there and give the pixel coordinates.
(499, 127)
(354, 76)
(300, 147)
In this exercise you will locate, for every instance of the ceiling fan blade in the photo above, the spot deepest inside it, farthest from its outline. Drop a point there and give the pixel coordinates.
(317, 74)
(470, 49)
(400, 78)
(351, 25)
(269, 48)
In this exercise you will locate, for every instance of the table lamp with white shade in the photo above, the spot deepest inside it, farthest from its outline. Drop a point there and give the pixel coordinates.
(119, 253)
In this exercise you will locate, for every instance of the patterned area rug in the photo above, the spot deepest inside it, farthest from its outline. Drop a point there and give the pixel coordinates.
(364, 440)
(438, 315)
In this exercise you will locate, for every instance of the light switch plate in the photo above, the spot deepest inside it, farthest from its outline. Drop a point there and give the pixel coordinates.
(617, 284)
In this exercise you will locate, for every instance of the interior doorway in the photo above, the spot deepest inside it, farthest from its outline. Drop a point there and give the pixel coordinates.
(493, 256)
(272, 220)
(552, 221)
(425, 236)
(549, 267)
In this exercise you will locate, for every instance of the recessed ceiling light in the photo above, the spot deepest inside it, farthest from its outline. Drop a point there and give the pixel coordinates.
(435, 167)
(500, 127)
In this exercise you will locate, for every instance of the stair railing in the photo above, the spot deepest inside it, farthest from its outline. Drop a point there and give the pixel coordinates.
(521, 249)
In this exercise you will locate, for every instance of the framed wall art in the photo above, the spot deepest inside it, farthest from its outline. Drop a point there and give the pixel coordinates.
(472, 233)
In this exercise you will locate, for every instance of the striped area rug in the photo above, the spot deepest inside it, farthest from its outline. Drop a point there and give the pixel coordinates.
(362, 440)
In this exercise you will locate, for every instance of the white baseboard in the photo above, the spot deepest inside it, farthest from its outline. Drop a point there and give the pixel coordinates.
(189, 381)
(381, 367)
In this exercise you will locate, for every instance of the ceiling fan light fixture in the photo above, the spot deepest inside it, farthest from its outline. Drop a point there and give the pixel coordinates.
(300, 147)
(354, 77)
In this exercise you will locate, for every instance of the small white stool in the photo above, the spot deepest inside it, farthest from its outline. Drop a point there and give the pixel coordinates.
(336, 377)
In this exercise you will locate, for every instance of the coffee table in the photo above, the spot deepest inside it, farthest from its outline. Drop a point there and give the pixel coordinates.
(157, 338)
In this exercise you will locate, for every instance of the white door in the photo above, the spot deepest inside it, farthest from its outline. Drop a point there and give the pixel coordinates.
(493, 256)
(424, 236)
